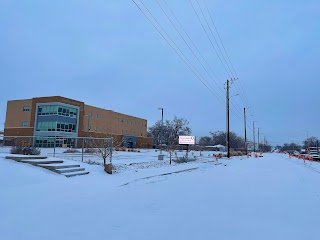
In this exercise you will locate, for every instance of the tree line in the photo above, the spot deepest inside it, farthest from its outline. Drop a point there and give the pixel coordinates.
(180, 126)
(309, 142)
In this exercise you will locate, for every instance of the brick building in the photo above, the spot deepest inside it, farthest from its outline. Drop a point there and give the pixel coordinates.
(59, 121)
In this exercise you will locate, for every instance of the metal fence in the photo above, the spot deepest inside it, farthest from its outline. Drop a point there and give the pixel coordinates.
(75, 148)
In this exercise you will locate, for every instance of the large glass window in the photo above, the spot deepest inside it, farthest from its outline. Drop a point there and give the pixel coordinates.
(52, 141)
(57, 110)
(56, 126)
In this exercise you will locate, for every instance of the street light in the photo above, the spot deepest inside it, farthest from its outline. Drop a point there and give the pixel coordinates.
(307, 136)
(264, 141)
(88, 129)
(161, 130)
(254, 139)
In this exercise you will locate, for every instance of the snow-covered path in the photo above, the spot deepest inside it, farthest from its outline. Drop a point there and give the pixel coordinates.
(265, 198)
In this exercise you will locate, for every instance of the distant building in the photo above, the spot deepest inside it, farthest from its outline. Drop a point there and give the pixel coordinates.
(218, 147)
(64, 119)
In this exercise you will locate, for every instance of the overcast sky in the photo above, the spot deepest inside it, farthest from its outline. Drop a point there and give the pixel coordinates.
(107, 54)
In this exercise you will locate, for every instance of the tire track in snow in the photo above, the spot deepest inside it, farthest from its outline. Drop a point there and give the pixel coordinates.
(159, 175)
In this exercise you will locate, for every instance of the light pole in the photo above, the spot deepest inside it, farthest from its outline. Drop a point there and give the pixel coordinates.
(307, 136)
(88, 128)
(161, 130)
(264, 138)
(258, 139)
(254, 139)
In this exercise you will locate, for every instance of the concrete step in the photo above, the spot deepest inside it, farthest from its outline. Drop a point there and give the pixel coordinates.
(67, 170)
(37, 162)
(54, 166)
(20, 158)
(73, 174)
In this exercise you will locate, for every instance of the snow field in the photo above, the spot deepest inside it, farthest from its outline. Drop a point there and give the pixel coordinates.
(273, 197)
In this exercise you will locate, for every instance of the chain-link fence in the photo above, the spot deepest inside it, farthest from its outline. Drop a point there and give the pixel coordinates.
(85, 149)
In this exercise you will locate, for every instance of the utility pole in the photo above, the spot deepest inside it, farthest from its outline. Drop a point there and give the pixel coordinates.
(254, 139)
(161, 130)
(258, 138)
(245, 130)
(160, 157)
(228, 120)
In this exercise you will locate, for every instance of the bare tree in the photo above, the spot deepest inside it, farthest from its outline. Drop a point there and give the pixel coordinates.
(205, 141)
(219, 137)
(103, 146)
(171, 130)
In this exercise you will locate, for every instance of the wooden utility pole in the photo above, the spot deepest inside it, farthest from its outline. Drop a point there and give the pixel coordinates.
(228, 120)
(245, 130)
(254, 139)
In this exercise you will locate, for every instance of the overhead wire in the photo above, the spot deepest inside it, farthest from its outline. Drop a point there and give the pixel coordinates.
(184, 40)
(224, 63)
(214, 48)
(179, 52)
(237, 82)
(192, 42)
(229, 68)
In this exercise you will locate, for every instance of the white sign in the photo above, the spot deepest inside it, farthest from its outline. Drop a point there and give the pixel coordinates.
(187, 140)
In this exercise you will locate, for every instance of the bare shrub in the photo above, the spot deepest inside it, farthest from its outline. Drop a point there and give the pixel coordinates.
(71, 151)
(90, 150)
(25, 150)
(184, 159)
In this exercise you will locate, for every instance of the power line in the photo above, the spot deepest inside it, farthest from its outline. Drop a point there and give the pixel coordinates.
(215, 40)
(240, 87)
(183, 56)
(192, 42)
(214, 48)
(235, 73)
(187, 44)
(195, 72)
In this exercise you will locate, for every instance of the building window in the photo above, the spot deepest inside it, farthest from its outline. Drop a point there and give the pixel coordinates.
(24, 124)
(56, 126)
(97, 116)
(96, 129)
(26, 109)
(57, 110)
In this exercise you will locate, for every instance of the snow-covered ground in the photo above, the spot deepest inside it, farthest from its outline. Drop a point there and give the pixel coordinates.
(272, 197)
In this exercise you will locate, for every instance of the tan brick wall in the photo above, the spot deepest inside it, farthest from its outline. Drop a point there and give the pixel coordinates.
(15, 114)
(107, 121)
(18, 131)
(144, 142)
